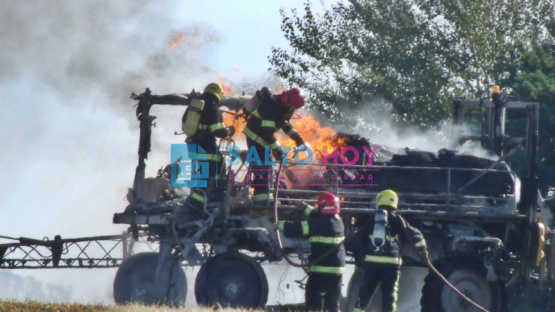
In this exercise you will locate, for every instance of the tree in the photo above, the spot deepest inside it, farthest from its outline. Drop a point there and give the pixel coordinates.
(535, 81)
(416, 54)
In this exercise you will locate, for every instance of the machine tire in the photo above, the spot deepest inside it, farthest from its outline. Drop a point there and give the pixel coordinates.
(232, 280)
(135, 282)
(468, 276)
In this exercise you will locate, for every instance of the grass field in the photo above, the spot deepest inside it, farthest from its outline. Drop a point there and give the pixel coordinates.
(33, 306)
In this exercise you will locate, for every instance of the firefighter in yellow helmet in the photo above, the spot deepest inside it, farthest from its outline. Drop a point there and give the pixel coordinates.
(377, 250)
(202, 122)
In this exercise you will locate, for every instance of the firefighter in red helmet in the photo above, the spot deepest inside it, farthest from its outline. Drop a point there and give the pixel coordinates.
(325, 231)
(273, 113)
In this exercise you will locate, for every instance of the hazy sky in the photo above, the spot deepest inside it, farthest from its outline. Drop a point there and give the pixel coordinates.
(67, 69)
(69, 134)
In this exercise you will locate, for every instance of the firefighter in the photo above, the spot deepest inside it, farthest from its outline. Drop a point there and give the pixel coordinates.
(273, 113)
(376, 247)
(325, 232)
(203, 123)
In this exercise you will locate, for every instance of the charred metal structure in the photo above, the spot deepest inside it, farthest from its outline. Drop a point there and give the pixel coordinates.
(481, 221)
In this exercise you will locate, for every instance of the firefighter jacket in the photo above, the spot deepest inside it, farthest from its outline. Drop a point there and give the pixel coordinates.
(270, 117)
(325, 232)
(366, 252)
(211, 125)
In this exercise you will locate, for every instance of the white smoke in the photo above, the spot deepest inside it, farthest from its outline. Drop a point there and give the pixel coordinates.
(70, 137)
(376, 123)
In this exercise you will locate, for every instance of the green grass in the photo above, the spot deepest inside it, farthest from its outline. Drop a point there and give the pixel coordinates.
(33, 306)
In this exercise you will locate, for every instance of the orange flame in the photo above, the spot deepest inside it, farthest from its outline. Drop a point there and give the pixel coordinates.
(194, 37)
(318, 137)
(228, 90)
(309, 128)
(177, 40)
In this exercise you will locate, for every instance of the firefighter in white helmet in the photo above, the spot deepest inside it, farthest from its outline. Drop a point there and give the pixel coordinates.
(377, 250)
(325, 231)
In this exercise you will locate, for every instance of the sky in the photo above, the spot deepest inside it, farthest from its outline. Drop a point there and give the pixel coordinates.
(67, 70)
(69, 134)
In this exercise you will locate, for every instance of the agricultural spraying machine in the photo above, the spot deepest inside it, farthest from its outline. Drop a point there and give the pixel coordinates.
(481, 221)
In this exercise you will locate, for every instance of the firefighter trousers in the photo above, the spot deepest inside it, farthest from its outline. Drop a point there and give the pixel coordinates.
(323, 292)
(215, 178)
(260, 175)
(365, 281)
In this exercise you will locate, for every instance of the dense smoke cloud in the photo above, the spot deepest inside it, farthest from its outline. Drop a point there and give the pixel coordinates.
(70, 137)
(67, 69)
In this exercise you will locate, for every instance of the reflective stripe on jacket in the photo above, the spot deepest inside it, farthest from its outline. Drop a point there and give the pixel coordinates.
(383, 259)
(390, 252)
(211, 124)
(270, 117)
(326, 269)
(324, 233)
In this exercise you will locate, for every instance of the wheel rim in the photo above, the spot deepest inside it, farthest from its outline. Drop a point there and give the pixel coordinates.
(232, 280)
(135, 282)
(231, 289)
(472, 285)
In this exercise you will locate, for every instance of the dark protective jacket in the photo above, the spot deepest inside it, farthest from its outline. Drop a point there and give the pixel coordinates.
(211, 125)
(325, 232)
(270, 117)
(390, 253)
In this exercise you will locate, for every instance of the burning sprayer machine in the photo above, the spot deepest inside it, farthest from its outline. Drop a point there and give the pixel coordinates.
(482, 223)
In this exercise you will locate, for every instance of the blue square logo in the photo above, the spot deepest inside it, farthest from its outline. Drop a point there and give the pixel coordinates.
(189, 166)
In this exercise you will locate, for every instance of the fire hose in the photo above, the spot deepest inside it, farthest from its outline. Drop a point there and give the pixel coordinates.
(336, 247)
(284, 254)
(439, 275)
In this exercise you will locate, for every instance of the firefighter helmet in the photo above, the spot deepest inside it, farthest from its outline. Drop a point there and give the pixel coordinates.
(293, 97)
(216, 89)
(328, 203)
(387, 198)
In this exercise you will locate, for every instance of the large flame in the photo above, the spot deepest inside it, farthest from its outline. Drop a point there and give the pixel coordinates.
(321, 139)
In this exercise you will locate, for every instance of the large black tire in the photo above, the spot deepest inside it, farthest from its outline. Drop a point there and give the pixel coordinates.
(232, 280)
(135, 282)
(468, 275)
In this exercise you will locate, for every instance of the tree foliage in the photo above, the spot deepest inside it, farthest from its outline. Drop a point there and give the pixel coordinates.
(535, 81)
(417, 54)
